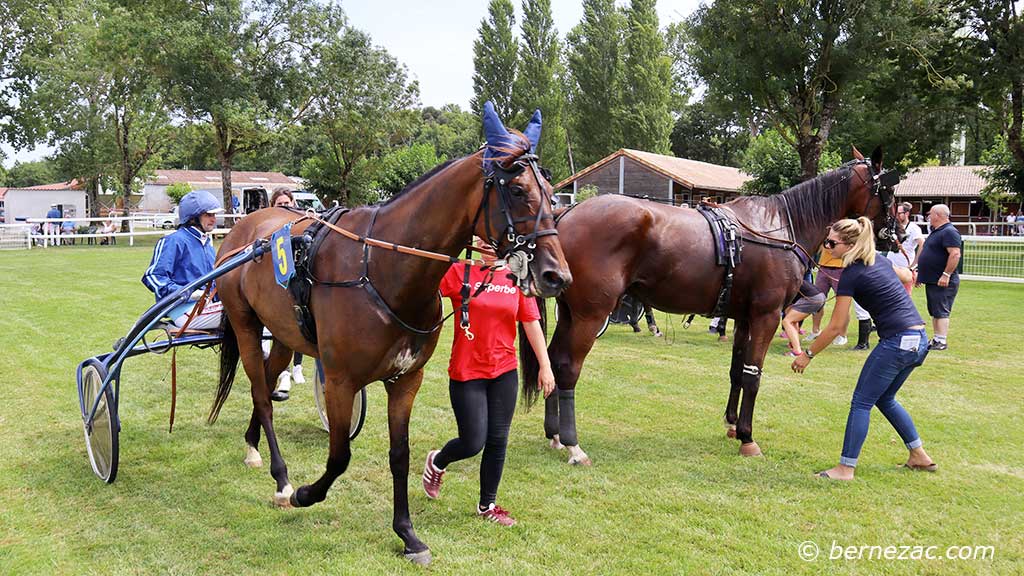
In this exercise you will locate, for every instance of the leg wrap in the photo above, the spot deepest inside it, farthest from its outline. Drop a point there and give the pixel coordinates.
(751, 370)
(567, 417)
(551, 416)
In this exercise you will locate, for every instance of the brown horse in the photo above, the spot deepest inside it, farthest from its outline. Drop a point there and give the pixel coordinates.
(385, 327)
(664, 256)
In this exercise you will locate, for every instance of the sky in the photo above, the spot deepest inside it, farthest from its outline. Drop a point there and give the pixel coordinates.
(435, 42)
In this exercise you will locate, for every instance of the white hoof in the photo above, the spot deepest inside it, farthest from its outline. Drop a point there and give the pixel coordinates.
(283, 499)
(555, 444)
(577, 457)
(253, 458)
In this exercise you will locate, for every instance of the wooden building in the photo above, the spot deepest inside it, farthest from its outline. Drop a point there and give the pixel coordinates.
(636, 173)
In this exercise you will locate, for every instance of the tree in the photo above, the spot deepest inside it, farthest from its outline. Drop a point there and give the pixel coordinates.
(701, 133)
(538, 85)
(495, 58)
(363, 107)
(30, 33)
(25, 174)
(793, 61)
(452, 132)
(646, 122)
(396, 169)
(775, 165)
(242, 67)
(177, 191)
(596, 76)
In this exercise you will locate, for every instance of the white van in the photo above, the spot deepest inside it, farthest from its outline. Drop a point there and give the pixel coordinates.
(306, 200)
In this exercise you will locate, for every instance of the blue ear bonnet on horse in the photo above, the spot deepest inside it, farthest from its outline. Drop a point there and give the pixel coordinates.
(502, 144)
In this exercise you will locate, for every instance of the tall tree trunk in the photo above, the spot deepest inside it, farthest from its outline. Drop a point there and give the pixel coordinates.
(226, 157)
(1016, 119)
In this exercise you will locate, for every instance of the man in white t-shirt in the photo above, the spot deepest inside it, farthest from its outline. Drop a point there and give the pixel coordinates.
(911, 245)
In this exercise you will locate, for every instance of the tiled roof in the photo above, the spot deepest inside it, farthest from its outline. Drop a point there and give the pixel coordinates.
(691, 173)
(69, 185)
(212, 178)
(940, 181)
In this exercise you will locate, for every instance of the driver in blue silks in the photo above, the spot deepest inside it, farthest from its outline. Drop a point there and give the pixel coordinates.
(185, 255)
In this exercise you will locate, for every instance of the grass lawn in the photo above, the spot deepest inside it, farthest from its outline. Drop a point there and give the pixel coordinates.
(668, 493)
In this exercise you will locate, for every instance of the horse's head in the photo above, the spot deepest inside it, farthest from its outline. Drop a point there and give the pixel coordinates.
(515, 216)
(871, 195)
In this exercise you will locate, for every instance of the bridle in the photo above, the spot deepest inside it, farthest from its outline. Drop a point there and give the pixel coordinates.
(515, 249)
(881, 187)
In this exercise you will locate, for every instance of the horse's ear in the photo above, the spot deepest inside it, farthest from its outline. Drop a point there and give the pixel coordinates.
(532, 131)
(494, 130)
(856, 154)
(876, 158)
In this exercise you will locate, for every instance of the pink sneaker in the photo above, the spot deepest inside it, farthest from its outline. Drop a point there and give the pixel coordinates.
(432, 476)
(496, 514)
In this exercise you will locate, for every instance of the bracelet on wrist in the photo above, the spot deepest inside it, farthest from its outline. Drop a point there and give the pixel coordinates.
(947, 274)
(808, 353)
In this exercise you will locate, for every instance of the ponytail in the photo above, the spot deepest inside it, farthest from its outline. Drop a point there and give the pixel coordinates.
(860, 235)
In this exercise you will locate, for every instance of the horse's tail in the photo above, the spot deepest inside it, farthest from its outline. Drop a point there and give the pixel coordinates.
(529, 367)
(228, 366)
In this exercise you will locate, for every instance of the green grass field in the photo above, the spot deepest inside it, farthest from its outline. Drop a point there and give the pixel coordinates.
(668, 493)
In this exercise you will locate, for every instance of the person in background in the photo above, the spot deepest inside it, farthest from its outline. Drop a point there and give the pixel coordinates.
(911, 247)
(184, 256)
(53, 228)
(876, 284)
(830, 270)
(282, 198)
(937, 264)
(483, 380)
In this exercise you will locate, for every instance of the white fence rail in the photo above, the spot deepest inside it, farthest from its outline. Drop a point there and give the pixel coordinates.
(47, 232)
(994, 258)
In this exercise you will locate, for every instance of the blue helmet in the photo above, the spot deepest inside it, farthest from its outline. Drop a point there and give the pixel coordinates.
(196, 203)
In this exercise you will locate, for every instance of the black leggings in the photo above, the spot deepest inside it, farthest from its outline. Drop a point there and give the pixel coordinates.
(483, 411)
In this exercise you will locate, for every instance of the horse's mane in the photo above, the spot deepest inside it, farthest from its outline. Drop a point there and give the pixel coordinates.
(813, 203)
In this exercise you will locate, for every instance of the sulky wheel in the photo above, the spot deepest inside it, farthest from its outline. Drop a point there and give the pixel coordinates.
(358, 404)
(101, 436)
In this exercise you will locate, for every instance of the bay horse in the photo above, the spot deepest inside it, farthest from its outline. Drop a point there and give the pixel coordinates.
(386, 325)
(664, 256)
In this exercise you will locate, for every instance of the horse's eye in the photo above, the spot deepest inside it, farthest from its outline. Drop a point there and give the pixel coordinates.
(518, 190)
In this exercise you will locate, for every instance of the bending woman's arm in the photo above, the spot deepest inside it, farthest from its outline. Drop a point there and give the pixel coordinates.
(840, 318)
(545, 377)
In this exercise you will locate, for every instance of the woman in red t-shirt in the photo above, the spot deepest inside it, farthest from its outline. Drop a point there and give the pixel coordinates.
(484, 382)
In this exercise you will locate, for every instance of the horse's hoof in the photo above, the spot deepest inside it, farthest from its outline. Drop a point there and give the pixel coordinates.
(580, 461)
(252, 458)
(419, 558)
(556, 445)
(283, 499)
(750, 449)
(730, 431)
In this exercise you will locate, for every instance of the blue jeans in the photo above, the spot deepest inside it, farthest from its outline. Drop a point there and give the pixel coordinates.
(884, 372)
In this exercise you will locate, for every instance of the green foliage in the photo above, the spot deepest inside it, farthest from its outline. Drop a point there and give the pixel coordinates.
(177, 191)
(1004, 176)
(25, 174)
(243, 67)
(646, 90)
(790, 64)
(539, 84)
(701, 133)
(452, 132)
(495, 58)
(396, 169)
(586, 192)
(362, 108)
(775, 165)
(595, 63)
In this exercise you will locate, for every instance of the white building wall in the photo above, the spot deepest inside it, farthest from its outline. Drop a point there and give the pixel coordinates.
(35, 203)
